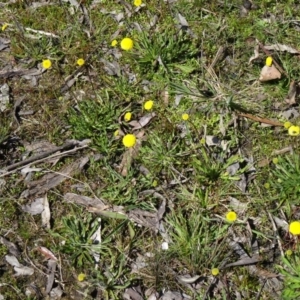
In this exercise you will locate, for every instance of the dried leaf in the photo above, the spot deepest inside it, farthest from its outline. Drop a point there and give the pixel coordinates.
(23, 271)
(182, 20)
(97, 206)
(34, 208)
(188, 279)
(290, 113)
(51, 180)
(269, 73)
(110, 214)
(56, 293)
(19, 268)
(292, 94)
(112, 68)
(142, 122)
(47, 253)
(51, 272)
(12, 248)
(169, 295)
(46, 214)
(282, 47)
(132, 294)
(12, 260)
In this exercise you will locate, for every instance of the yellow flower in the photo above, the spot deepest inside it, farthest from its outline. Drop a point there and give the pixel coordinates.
(81, 277)
(215, 271)
(267, 185)
(275, 160)
(4, 26)
(288, 252)
(116, 133)
(287, 125)
(137, 2)
(231, 216)
(46, 63)
(294, 130)
(185, 117)
(127, 116)
(114, 43)
(129, 140)
(127, 44)
(80, 62)
(269, 61)
(148, 105)
(294, 228)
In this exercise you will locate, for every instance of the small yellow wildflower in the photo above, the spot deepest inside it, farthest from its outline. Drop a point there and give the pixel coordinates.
(129, 140)
(116, 133)
(294, 130)
(275, 160)
(46, 63)
(148, 104)
(215, 271)
(81, 277)
(288, 252)
(137, 2)
(185, 117)
(202, 141)
(80, 62)
(127, 116)
(4, 26)
(127, 44)
(287, 124)
(114, 43)
(231, 216)
(269, 61)
(267, 185)
(294, 228)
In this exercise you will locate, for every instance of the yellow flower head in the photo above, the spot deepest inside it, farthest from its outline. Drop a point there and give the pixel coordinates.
(267, 185)
(287, 125)
(129, 140)
(114, 43)
(215, 271)
(81, 277)
(127, 116)
(116, 133)
(294, 130)
(137, 2)
(269, 61)
(4, 26)
(148, 105)
(288, 252)
(185, 117)
(231, 216)
(80, 62)
(46, 63)
(294, 228)
(127, 44)
(275, 160)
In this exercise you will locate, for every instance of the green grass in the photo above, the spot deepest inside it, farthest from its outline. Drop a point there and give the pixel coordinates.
(171, 162)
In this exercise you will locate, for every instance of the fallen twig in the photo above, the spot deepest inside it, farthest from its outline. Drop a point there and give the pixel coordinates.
(45, 156)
